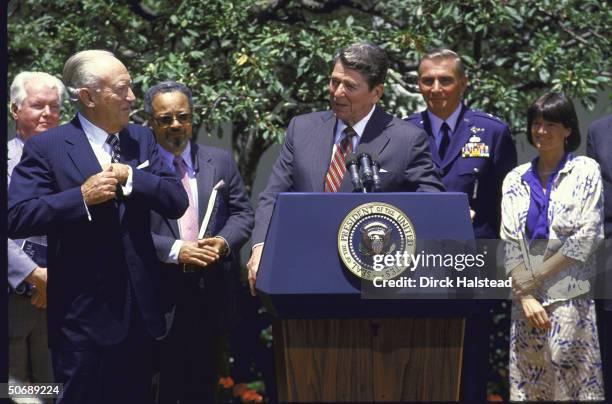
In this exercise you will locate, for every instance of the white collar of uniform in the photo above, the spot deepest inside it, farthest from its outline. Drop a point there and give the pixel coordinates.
(169, 157)
(94, 134)
(451, 121)
(359, 127)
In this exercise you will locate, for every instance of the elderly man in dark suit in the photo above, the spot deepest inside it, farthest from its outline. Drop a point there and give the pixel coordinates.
(599, 147)
(90, 186)
(36, 100)
(311, 159)
(201, 273)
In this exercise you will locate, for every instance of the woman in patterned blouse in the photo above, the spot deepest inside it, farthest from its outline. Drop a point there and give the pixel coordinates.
(552, 221)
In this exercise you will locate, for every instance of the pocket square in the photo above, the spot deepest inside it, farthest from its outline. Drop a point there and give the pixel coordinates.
(382, 170)
(143, 165)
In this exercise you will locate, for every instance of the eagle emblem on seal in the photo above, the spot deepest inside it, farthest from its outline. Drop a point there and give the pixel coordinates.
(376, 239)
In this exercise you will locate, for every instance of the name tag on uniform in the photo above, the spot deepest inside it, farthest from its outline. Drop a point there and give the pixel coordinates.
(475, 147)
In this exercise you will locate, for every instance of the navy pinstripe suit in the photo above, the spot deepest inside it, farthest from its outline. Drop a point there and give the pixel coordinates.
(103, 273)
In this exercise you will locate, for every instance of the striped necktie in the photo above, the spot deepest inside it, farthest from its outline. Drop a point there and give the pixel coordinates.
(113, 141)
(336, 170)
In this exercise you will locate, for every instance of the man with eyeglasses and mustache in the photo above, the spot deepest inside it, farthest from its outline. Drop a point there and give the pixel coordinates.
(90, 186)
(200, 274)
(36, 100)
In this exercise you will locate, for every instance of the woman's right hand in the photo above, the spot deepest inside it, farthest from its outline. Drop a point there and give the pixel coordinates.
(535, 313)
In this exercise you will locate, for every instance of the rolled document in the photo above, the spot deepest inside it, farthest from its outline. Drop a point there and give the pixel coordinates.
(209, 208)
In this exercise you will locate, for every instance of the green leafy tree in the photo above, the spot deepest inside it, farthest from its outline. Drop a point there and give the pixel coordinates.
(255, 64)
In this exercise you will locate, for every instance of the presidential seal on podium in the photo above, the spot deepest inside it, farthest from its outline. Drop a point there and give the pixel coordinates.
(371, 232)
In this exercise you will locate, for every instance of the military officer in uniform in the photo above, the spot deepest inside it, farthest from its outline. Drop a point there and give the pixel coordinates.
(473, 151)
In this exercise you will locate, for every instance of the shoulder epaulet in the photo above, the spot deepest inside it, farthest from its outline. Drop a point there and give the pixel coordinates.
(486, 115)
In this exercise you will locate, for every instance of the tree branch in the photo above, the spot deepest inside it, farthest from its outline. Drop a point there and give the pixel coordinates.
(142, 11)
(477, 47)
(534, 85)
(267, 11)
(270, 11)
(569, 31)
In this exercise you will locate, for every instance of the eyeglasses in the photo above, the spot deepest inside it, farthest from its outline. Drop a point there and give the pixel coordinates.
(167, 120)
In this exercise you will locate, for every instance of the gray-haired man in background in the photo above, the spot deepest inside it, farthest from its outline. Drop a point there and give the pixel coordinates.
(36, 99)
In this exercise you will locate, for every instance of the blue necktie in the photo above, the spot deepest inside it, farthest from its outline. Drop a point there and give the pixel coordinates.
(445, 141)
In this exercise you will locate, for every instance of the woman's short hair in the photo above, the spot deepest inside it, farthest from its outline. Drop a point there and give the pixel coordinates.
(555, 107)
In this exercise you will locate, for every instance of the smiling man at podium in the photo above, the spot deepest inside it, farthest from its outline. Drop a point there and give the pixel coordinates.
(316, 144)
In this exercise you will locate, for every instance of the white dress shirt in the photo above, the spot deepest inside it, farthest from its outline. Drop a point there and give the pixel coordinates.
(359, 128)
(19, 143)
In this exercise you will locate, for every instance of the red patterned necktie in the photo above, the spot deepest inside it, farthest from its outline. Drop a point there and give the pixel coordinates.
(188, 224)
(336, 167)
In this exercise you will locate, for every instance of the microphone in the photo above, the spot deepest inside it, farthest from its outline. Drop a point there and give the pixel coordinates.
(352, 165)
(375, 176)
(365, 164)
(375, 185)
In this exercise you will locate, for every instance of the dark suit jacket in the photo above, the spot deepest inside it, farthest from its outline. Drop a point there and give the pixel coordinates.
(599, 147)
(458, 173)
(302, 165)
(98, 269)
(20, 265)
(232, 219)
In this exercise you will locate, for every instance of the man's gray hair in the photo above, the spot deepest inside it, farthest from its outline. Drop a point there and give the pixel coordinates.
(367, 58)
(442, 54)
(18, 86)
(78, 73)
(165, 87)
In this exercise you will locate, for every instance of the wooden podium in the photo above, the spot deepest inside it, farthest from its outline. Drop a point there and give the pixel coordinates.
(372, 360)
(333, 345)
